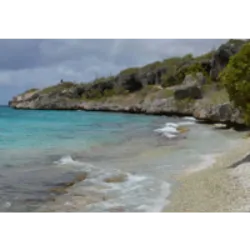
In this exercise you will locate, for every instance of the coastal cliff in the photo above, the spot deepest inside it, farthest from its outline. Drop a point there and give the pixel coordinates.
(176, 86)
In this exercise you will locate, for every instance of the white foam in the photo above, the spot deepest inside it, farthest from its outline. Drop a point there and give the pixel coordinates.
(207, 161)
(67, 160)
(170, 130)
(169, 127)
(190, 118)
(139, 193)
(7, 204)
(169, 135)
(172, 125)
(162, 201)
(186, 123)
(136, 178)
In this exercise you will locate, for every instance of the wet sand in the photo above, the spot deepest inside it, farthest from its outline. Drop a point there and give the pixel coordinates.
(223, 186)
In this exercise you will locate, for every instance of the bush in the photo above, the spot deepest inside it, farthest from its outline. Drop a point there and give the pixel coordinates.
(169, 80)
(31, 90)
(192, 69)
(236, 78)
(129, 71)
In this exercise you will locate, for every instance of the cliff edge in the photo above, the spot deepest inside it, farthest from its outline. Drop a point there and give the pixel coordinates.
(175, 86)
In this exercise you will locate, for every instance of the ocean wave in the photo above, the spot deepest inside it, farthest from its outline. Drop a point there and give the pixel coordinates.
(113, 192)
(172, 130)
(190, 118)
(68, 161)
(137, 193)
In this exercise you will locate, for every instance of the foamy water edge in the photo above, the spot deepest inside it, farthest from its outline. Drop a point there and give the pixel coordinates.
(215, 171)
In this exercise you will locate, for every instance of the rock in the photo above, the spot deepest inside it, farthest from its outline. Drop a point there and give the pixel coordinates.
(185, 99)
(116, 178)
(152, 77)
(220, 126)
(221, 58)
(223, 113)
(182, 130)
(193, 92)
(199, 79)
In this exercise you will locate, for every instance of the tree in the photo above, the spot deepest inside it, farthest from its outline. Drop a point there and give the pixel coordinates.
(236, 78)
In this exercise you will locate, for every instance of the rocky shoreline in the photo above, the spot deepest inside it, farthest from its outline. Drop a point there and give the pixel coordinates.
(220, 113)
(186, 86)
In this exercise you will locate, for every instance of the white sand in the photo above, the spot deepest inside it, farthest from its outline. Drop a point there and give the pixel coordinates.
(216, 188)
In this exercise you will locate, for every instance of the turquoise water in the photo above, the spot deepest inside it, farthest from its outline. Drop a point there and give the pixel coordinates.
(42, 149)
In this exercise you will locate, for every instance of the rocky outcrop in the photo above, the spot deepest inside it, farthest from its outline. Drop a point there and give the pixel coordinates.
(224, 113)
(193, 92)
(186, 88)
(221, 57)
(153, 77)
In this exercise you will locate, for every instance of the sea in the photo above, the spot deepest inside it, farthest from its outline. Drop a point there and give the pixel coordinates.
(82, 161)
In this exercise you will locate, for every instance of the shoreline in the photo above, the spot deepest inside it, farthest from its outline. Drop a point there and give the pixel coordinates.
(131, 111)
(203, 179)
(222, 186)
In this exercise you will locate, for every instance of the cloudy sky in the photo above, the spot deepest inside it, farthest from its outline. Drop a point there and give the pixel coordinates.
(38, 63)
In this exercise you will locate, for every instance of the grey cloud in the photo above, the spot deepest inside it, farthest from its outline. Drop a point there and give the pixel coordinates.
(123, 34)
(17, 54)
(25, 54)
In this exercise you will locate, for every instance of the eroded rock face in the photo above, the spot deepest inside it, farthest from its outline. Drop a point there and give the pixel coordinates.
(221, 58)
(224, 113)
(70, 96)
(193, 92)
(153, 77)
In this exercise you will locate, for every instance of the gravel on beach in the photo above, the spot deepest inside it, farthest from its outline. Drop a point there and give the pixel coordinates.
(222, 187)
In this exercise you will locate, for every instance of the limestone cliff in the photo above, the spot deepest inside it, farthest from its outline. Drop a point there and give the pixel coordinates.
(175, 86)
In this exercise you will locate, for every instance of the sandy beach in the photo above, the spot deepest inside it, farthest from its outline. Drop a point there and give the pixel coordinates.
(223, 186)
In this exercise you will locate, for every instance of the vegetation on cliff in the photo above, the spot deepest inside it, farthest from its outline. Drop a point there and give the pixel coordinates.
(236, 77)
(167, 73)
(183, 85)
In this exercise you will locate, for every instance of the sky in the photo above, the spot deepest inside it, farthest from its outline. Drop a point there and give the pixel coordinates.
(37, 63)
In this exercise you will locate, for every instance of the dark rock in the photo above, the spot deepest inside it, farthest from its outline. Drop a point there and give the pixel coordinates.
(129, 82)
(103, 85)
(193, 92)
(221, 58)
(152, 77)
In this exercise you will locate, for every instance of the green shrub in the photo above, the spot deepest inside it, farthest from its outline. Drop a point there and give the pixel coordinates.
(236, 77)
(59, 87)
(129, 71)
(169, 80)
(192, 69)
(109, 92)
(237, 42)
(151, 67)
(146, 90)
(30, 90)
(168, 92)
(103, 79)
(205, 56)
